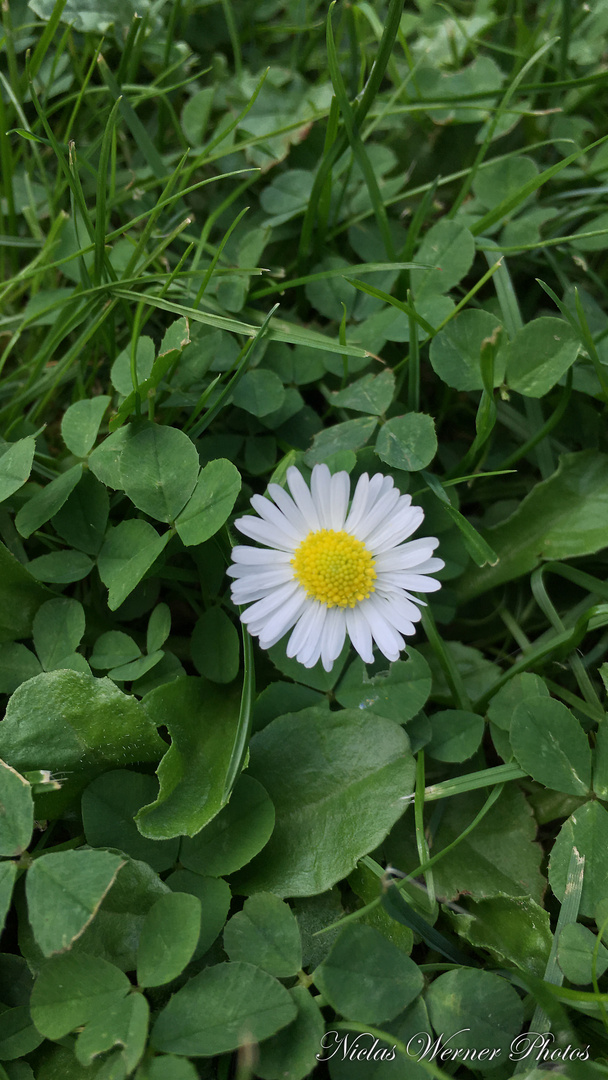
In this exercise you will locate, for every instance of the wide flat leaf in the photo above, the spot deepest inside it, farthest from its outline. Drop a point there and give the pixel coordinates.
(124, 1023)
(211, 502)
(575, 954)
(232, 838)
(562, 517)
(259, 392)
(372, 394)
(17, 665)
(550, 744)
(456, 735)
(109, 805)
(407, 442)
(265, 933)
(455, 352)
(8, 873)
(337, 781)
(214, 646)
(448, 247)
(61, 567)
(398, 693)
(82, 520)
(58, 628)
(20, 597)
(366, 978)
(511, 928)
(291, 1054)
(128, 552)
(64, 890)
(351, 435)
(202, 721)
(478, 1009)
(66, 720)
(158, 468)
(81, 422)
(214, 895)
(221, 1009)
(540, 353)
(70, 990)
(499, 855)
(47, 502)
(18, 1037)
(168, 938)
(16, 465)
(114, 933)
(16, 811)
(587, 831)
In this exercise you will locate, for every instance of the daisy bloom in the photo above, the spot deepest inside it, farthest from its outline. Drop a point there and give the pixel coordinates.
(328, 569)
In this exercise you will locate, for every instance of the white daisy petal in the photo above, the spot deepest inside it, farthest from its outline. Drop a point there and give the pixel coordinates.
(327, 571)
(275, 517)
(265, 533)
(334, 632)
(303, 498)
(254, 557)
(320, 486)
(287, 506)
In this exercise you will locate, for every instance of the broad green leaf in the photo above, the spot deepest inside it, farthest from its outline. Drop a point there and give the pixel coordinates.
(372, 394)
(113, 648)
(478, 1009)
(168, 938)
(120, 373)
(158, 469)
(61, 567)
(282, 697)
(287, 195)
(81, 422)
(71, 990)
(501, 180)
(46, 503)
(540, 353)
(214, 646)
(291, 1054)
(170, 1067)
(407, 442)
(93, 15)
(16, 811)
(114, 933)
(586, 830)
(136, 669)
(259, 392)
(16, 465)
(265, 933)
(377, 1058)
(366, 978)
(20, 597)
(519, 689)
(8, 874)
(159, 627)
(67, 720)
(211, 502)
(368, 887)
(221, 1009)
(456, 350)
(123, 1023)
(337, 782)
(232, 838)
(600, 760)
(109, 805)
(316, 677)
(58, 628)
(104, 461)
(17, 665)
(195, 115)
(398, 693)
(563, 517)
(450, 248)
(550, 744)
(64, 890)
(202, 722)
(456, 735)
(512, 928)
(575, 950)
(128, 552)
(18, 1036)
(351, 435)
(82, 520)
(500, 855)
(214, 895)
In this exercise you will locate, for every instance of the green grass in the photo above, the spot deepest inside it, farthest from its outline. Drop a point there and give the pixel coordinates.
(236, 237)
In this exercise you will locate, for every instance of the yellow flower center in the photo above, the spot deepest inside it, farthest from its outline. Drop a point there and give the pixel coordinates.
(335, 568)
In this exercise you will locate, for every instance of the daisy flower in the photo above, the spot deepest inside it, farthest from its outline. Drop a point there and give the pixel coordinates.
(328, 569)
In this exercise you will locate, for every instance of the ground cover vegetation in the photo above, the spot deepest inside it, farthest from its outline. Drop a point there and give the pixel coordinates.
(237, 237)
